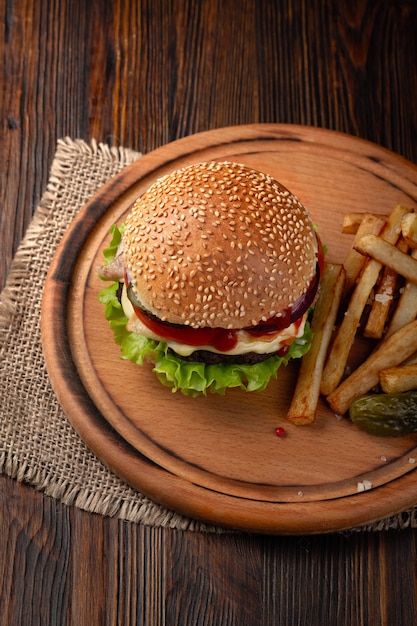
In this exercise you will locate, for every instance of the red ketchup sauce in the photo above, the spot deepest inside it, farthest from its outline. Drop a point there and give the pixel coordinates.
(223, 339)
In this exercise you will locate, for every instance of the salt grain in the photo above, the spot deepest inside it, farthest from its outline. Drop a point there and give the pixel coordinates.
(364, 485)
(383, 298)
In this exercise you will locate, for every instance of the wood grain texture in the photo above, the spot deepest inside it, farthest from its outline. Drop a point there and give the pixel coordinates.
(309, 482)
(140, 74)
(59, 565)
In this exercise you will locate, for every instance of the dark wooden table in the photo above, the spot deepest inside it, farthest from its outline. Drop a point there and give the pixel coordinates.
(141, 74)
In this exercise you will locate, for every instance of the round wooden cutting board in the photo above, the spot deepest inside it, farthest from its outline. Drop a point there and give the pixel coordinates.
(217, 458)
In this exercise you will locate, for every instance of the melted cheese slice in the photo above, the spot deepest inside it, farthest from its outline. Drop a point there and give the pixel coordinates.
(246, 342)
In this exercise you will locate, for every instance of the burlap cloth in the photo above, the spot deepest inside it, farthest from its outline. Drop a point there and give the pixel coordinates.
(37, 443)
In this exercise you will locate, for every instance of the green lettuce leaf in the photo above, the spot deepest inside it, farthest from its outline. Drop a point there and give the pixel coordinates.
(116, 233)
(190, 378)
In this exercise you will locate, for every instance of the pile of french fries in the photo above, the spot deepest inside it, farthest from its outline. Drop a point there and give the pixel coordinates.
(374, 294)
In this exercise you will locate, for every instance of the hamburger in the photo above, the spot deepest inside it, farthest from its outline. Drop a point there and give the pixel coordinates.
(215, 270)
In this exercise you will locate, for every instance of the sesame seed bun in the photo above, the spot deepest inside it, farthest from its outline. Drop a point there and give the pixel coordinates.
(219, 245)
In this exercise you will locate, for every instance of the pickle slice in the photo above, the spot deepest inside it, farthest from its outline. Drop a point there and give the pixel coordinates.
(390, 414)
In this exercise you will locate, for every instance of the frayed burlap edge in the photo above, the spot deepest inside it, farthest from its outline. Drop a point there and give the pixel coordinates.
(67, 151)
(137, 510)
(115, 499)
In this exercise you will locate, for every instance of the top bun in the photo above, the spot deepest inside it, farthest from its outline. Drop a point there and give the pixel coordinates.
(219, 245)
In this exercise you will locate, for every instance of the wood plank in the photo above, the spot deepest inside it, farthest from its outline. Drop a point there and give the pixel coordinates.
(133, 574)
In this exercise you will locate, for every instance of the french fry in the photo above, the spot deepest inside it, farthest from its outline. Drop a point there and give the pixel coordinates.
(387, 254)
(381, 305)
(411, 359)
(406, 309)
(398, 379)
(389, 353)
(354, 261)
(409, 229)
(304, 403)
(339, 353)
(352, 221)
